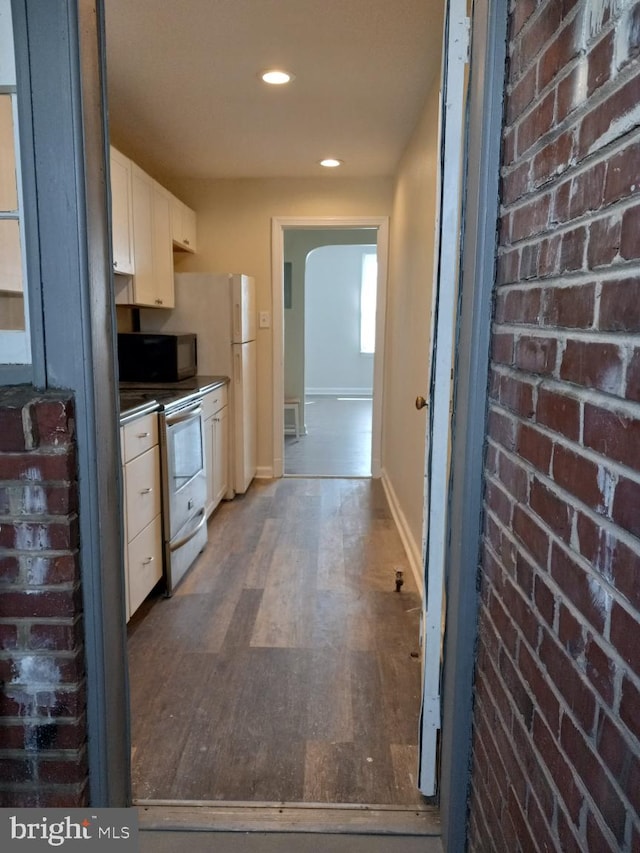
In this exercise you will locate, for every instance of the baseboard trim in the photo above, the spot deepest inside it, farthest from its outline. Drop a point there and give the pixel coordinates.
(207, 816)
(338, 392)
(413, 552)
(264, 472)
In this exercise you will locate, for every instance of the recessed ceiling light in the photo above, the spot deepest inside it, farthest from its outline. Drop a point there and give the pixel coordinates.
(276, 77)
(331, 162)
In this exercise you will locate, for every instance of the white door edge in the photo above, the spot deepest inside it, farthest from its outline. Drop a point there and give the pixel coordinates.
(438, 443)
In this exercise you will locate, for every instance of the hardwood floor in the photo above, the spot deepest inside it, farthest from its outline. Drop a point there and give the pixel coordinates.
(284, 667)
(337, 442)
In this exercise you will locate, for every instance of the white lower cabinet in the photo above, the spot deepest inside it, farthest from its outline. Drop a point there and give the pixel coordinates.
(144, 563)
(142, 509)
(216, 447)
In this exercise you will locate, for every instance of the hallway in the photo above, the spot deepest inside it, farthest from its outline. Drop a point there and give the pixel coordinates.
(285, 668)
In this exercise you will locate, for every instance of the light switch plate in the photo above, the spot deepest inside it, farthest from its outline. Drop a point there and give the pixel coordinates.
(264, 319)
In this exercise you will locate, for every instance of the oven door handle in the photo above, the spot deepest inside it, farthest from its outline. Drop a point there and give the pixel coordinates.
(182, 415)
(178, 543)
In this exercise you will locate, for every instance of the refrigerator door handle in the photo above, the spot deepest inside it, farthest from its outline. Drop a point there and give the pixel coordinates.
(238, 370)
(237, 322)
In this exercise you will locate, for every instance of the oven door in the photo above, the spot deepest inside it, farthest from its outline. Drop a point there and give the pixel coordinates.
(184, 477)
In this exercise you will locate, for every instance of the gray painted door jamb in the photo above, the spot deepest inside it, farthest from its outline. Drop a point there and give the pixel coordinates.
(61, 101)
(484, 107)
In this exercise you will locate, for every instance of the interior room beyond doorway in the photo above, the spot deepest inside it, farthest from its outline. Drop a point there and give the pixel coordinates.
(336, 441)
(330, 290)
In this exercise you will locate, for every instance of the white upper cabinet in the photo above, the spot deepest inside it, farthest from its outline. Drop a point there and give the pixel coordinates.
(121, 213)
(183, 226)
(162, 251)
(142, 206)
(147, 223)
(152, 283)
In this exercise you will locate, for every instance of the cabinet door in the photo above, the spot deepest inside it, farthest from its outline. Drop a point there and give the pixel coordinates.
(188, 228)
(162, 248)
(144, 563)
(209, 456)
(139, 435)
(220, 455)
(142, 491)
(183, 226)
(142, 205)
(176, 221)
(121, 213)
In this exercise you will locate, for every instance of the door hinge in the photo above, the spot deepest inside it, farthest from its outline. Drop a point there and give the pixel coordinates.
(431, 711)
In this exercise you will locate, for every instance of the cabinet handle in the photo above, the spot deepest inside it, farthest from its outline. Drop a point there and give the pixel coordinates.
(158, 301)
(186, 242)
(217, 420)
(115, 263)
(146, 491)
(143, 435)
(147, 561)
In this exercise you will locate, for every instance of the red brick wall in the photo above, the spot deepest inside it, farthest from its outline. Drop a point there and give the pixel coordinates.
(556, 752)
(42, 697)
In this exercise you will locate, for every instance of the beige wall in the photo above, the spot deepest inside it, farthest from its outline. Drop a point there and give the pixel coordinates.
(408, 345)
(234, 235)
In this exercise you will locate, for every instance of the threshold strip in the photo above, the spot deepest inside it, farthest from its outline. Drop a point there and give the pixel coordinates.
(215, 816)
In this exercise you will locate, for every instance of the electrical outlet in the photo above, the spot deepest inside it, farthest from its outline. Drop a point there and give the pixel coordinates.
(264, 319)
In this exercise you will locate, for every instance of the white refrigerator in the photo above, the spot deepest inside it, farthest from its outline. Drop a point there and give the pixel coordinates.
(221, 309)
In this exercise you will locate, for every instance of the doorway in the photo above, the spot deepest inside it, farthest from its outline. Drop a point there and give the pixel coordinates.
(330, 287)
(376, 232)
(299, 652)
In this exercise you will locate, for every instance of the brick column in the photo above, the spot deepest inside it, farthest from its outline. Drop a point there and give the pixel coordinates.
(42, 705)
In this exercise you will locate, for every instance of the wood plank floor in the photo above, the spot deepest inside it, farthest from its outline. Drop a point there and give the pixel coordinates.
(284, 667)
(337, 441)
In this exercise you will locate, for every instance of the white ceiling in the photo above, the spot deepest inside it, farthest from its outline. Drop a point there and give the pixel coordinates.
(185, 98)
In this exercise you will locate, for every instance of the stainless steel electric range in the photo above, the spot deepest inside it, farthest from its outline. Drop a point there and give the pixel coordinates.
(184, 485)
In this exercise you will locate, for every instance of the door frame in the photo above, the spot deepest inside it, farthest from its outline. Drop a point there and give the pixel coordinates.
(278, 226)
(478, 254)
(84, 157)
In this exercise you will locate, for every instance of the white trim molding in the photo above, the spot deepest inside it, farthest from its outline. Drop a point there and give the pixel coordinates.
(410, 545)
(365, 393)
(264, 472)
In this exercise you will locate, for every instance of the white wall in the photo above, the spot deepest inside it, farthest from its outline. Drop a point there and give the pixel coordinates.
(298, 242)
(234, 235)
(333, 361)
(408, 343)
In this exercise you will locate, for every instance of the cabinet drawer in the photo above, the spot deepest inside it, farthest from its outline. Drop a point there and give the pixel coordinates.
(214, 401)
(142, 491)
(140, 435)
(144, 563)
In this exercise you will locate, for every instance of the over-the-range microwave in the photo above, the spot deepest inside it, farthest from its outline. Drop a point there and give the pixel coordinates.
(152, 357)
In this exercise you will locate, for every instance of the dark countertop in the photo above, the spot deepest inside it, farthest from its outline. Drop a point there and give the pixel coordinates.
(141, 398)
